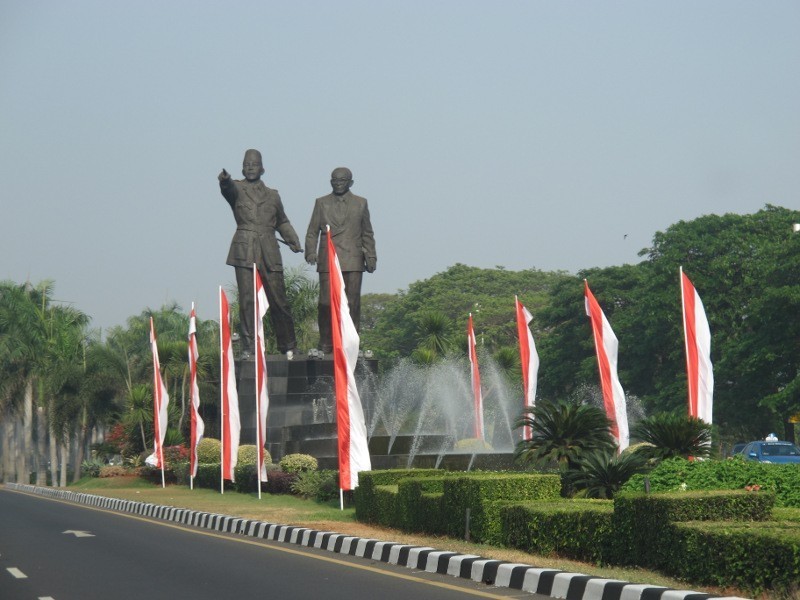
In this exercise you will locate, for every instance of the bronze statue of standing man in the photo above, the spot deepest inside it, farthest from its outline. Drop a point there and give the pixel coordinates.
(354, 240)
(259, 214)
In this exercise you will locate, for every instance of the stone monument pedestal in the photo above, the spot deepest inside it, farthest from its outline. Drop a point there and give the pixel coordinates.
(302, 405)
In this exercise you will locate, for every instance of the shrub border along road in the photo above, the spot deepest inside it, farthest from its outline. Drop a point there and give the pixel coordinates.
(549, 582)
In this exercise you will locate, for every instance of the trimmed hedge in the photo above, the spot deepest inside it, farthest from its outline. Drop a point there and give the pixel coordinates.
(645, 534)
(436, 501)
(365, 495)
(578, 529)
(757, 557)
(483, 493)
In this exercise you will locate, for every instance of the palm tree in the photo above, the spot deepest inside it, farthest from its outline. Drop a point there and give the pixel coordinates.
(22, 340)
(602, 473)
(673, 435)
(563, 433)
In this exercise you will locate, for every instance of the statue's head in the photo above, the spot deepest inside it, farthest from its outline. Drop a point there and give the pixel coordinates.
(252, 167)
(341, 180)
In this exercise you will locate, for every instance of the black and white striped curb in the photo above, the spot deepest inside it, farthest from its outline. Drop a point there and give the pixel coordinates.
(549, 582)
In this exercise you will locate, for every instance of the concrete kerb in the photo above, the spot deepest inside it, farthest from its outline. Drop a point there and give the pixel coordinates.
(548, 582)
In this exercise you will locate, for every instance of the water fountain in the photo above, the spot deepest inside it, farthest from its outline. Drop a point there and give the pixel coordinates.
(416, 415)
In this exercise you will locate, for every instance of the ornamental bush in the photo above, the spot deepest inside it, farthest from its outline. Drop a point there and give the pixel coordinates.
(248, 455)
(679, 474)
(321, 486)
(208, 451)
(297, 463)
(113, 471)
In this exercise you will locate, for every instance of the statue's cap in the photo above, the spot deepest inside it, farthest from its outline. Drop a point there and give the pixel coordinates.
(252, 154)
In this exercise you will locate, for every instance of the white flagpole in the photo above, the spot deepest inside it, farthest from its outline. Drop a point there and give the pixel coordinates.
(256, 358)
(341, 499)
(192, 450)
(221, 403)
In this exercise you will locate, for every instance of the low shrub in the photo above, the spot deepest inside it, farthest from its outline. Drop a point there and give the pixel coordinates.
(297, 463)
(208, 451)
(279, 482)
(113, 471)
(248, 455)
(175, 454)
(91, 467)
(321, 486)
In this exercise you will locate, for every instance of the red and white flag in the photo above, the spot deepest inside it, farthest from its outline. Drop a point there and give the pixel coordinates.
(262, 399)
(475, 379)
(197, 426)
(352, 430)
(231, 426)
(697, 335)
(529, 359)
(606, 345)
(160, 403)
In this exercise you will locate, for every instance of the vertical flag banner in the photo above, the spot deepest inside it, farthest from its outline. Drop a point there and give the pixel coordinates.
(475, 379)
(231, 426)
(160, 403)
(197, 425)
(697, 335)
(606, 345)
(529, 359)
(352, 430)
(262, 399)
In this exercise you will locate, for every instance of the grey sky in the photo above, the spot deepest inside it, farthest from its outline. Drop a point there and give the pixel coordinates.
(523, 134)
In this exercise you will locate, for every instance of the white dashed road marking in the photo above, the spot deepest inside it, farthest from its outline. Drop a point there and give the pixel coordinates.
(17, 573)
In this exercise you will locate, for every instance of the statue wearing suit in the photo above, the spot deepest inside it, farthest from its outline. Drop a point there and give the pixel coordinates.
(259, 214)
(354, 240)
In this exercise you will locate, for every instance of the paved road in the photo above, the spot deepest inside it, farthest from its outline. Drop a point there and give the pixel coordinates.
(57, 550)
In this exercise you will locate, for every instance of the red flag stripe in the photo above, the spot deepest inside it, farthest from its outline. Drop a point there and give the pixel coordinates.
(230, 399)
(606, 346)
(475, 380)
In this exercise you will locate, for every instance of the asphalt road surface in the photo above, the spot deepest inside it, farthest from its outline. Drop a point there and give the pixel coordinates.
(51, 549)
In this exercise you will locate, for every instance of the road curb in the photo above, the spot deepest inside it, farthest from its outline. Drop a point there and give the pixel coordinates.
(548, 582)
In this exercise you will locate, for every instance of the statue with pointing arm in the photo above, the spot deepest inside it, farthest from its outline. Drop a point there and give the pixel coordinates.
(259, 214)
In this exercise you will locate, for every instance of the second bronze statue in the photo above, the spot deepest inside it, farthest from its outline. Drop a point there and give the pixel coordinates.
(354, 240)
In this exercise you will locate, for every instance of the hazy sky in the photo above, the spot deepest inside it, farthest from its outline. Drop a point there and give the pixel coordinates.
(522, 134)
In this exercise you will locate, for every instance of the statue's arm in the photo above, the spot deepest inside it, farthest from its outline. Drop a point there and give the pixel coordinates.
(227, 187)
(284, 227)
(368, 240)
(312, 235)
